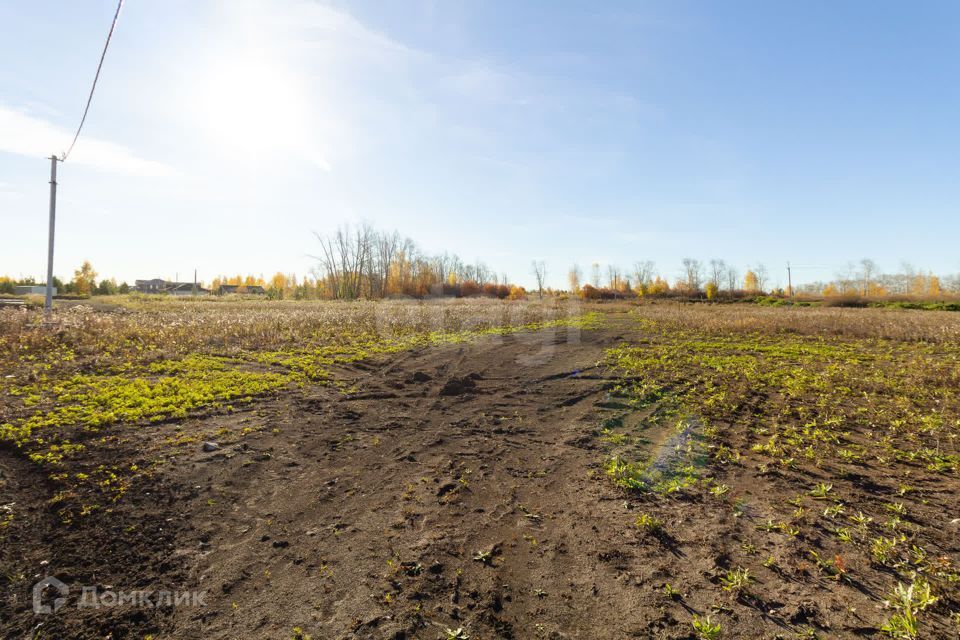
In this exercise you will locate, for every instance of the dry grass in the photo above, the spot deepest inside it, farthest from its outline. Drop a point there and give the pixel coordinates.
(136, 329)
(890, 324)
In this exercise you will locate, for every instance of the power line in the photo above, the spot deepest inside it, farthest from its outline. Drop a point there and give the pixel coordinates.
(48, 303)
(93, 87)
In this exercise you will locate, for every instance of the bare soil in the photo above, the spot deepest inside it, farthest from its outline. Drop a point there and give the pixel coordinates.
(451, 487)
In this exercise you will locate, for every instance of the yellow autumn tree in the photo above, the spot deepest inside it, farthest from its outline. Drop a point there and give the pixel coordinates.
(750, 282)
(85, 279)
(659, 286)
(573, 279)
(711, 290)
(278, 285)
(517, 293)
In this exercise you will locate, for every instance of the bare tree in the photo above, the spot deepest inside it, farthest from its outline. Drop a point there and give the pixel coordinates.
(364, 262)
(613, 277)
(643, 274)
(762, 277)
(867, 270)
(344, 257)
(595, 274)
(717, 269)
(573, 278)
(693, 274)
(732, 278)
(540, 273)
(384, 253)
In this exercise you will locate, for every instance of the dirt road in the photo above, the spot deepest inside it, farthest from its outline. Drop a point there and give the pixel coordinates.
(452, 489)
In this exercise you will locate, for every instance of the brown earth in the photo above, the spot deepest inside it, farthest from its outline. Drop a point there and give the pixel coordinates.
(450, 487)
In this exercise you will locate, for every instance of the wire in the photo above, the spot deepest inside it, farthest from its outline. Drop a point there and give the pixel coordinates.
(93, 87)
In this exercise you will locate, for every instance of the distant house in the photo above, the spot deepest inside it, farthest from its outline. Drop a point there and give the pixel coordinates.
(32, 289)
(186, 289)
(252, 289)
(151, 286)
(157, 285)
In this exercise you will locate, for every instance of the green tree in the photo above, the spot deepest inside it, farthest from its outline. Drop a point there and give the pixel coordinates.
(106, 288)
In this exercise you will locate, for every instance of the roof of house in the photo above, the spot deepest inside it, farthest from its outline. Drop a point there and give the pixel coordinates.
(184, 286)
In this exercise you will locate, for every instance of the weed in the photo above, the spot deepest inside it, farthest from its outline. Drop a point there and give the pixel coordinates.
(737, 581)
(821, 491)
(719, 490)
(908, 601)
(833, 511)
(882, 550)
(671, 592)
(649, 524)
(705, 628)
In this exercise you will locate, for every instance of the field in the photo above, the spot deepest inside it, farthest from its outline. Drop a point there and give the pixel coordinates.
(481, 469)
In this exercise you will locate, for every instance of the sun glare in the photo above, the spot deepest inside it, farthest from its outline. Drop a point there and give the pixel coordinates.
(251, 105)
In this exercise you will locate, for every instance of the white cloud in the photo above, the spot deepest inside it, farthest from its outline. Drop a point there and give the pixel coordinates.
(27, 135)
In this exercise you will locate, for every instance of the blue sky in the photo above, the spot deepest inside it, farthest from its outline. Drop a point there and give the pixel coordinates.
(224, 133)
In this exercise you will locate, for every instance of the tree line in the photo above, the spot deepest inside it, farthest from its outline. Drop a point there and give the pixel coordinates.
(353, 263)
(367, 263)
(371, 264)
(712, 280)
(716, 279)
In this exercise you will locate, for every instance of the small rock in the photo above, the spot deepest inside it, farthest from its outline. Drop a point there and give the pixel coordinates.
(210, 446)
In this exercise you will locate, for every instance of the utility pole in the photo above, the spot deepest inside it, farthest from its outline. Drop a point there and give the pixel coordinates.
(194, 282)
(789, 280)
(48, 303)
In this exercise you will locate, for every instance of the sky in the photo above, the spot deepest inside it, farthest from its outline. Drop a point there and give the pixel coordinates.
(223, 134)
